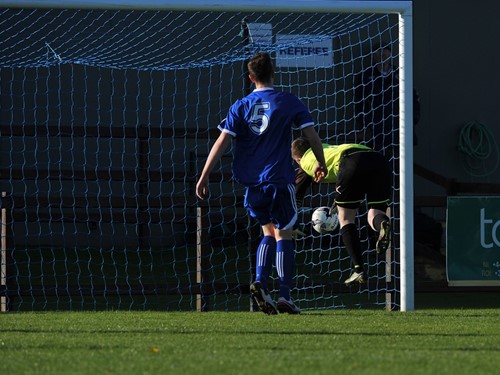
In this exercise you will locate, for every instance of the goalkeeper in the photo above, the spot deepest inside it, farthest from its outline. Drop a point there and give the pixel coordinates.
(357, 172)
(261, 124)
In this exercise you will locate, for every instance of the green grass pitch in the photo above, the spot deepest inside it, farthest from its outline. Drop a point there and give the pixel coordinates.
(433, 341)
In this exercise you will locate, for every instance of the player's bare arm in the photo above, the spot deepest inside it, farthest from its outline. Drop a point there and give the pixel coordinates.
(220, 146)
(312, 136)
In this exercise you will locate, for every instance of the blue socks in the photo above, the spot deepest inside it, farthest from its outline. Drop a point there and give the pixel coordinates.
(265, 257)
(285, 264)
(284, 252)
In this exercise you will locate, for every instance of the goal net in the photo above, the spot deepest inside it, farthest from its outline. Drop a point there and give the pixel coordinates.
(106, 120)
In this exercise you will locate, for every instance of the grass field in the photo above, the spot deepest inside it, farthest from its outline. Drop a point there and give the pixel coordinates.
(442, 341)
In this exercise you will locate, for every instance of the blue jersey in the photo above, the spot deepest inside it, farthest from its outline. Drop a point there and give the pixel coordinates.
(261, 124)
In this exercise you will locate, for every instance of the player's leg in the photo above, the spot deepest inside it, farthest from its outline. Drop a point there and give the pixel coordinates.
(349, 196)
(257, 203)
(284, 214)
(285, 265)
(381, 224)
(350, 237)
(378, 198)
(266, 253)
(264, 263)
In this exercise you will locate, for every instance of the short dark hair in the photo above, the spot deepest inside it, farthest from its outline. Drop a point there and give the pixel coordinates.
(261, 67)
(300, 146)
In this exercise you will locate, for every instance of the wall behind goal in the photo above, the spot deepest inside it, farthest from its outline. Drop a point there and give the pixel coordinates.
(106, 120)
(456, 73)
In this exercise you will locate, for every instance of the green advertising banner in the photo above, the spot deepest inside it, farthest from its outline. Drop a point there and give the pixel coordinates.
(473, 241)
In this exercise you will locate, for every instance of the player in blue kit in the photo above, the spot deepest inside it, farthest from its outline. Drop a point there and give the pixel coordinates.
(261, 125)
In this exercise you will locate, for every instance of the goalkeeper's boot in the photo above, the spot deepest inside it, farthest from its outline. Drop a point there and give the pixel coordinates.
(287, 306)
(263, 299)
(356, 277)
(384, 238)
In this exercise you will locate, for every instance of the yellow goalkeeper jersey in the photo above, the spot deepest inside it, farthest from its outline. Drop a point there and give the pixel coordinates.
(333, 154)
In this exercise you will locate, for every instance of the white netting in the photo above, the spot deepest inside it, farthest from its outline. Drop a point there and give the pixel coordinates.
(107, 117)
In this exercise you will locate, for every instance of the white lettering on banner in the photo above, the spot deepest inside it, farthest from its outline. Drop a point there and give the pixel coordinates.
(483, 229)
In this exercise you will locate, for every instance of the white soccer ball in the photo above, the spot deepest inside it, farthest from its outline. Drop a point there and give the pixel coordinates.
(323, 222)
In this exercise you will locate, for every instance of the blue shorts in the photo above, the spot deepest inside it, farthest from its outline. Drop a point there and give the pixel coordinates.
(272, 204)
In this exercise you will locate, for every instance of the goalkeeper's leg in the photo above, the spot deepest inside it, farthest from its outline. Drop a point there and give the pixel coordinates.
(350, 237)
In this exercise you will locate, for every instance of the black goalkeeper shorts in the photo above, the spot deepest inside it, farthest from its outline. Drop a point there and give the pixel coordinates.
(363, 175)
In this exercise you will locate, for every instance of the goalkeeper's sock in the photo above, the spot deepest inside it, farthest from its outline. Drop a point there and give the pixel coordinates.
(285, 264)
(350, 237)
(265, 256)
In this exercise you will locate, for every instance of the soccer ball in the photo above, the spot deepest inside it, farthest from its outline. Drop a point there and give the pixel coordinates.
(323, 222)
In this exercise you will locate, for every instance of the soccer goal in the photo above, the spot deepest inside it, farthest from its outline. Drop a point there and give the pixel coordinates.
(108, 111)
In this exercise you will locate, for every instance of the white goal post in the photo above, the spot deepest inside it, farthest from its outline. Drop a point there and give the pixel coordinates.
(404, 11)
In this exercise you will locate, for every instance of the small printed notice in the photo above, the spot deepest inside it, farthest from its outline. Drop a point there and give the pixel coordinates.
(261, 33)
(303, 51)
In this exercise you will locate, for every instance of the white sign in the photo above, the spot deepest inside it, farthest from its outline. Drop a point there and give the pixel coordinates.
(296, 52)
(260, 33)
